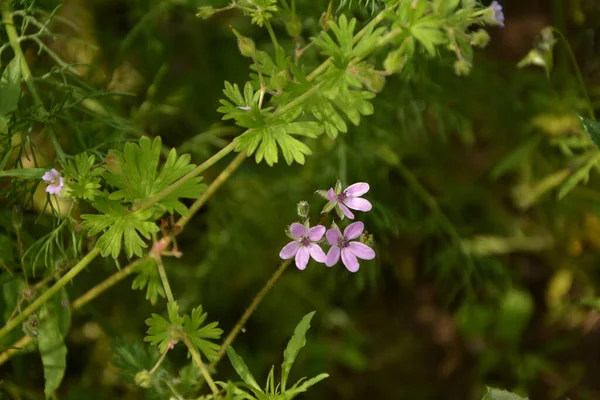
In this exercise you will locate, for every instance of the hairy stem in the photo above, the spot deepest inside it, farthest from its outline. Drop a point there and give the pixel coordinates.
(244, 318)
(68, 277)
(164, 279)
(272, 34)
(200, 364)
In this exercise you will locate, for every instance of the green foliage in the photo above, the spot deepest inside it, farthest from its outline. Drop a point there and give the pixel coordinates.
(85, 178)
(10, 90)
(259, 10)
(148, 278)
(201, 336)
(592, 128)
(120, 227)
(271, 391)
(136, 177)
(161, 332)
(296, 343)
(55, 319)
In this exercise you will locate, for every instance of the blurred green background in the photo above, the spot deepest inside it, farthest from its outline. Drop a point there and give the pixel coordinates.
(453, 163)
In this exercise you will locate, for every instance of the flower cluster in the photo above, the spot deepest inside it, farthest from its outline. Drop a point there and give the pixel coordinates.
(306, 239)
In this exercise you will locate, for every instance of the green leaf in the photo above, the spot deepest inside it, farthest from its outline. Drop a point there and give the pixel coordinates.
(10, 87)
(122, 227)
(149, 278)
(160, 330)
(427, 32)
(592, 128)
(302, 386)
(131, 357)
(240, 367)
(294, 346)
(260, 10)
(52, 348)
(26, 173)
(263, 142)
(497, 394)
(140, 179)
(199, 335)
(581, 174)
(83, 179)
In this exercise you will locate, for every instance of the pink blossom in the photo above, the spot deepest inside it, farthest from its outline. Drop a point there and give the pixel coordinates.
(349, 251)
(303, 247)
(348, 199)
(56, 182)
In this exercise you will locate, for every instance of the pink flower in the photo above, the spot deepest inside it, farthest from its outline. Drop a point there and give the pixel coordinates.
(349, 251)
(56, 182)
(304, 246)
(347, 199)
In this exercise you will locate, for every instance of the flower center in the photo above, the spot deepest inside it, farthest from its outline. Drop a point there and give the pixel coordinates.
(342, 196)
(305, 241)
(343, 242)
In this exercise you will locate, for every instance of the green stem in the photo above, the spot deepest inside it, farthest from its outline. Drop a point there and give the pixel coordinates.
(244, 318)
(200, 364)
(164, 279)
(580, 80)
(272, 34)
(298, 100)
(197, 171)
(68, 277)
(160, 361)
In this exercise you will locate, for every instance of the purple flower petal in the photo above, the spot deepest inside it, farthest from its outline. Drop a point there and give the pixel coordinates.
(317, 253)
(356, 203)
(358, 189)
(316, 232)
(302, 257)
(361, 250)
(331, 195)
(346, 211)
(297, 230)
(354, 230)
(349, 260)
(333, 235)
(52, 189)
(289, 250)
(47, 177)
(333, 256)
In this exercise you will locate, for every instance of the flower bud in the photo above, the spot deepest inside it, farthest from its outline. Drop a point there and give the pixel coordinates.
(205, 12)
(17, 217)
(480, 38)
(303, 209)
(293, 27)
(394, 62)
(462, 67)
(246, 46)
(143, 379)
